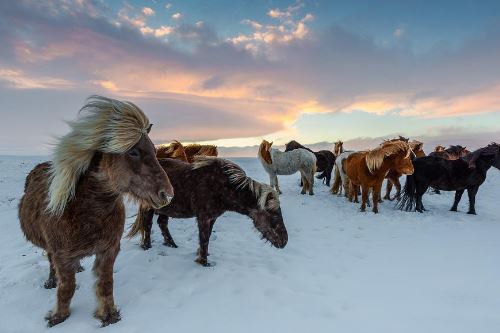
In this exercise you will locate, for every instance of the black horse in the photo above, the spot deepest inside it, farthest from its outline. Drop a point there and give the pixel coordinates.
(206, 189)
(466, 173)
(325, 160)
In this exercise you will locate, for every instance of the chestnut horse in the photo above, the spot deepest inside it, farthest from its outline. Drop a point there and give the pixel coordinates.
(195, 149)
(325, 160)
(276, 163)
(174, 150)
(368, 169)
(393, 176)
(73, 206)
(207, 189)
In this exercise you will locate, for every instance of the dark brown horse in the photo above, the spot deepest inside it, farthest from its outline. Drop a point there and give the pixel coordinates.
(174, 150)
(450, 153)
(207, 189)
(325, 160)
(193, 150)
(73, 206)
(368, 169)
(393, 175)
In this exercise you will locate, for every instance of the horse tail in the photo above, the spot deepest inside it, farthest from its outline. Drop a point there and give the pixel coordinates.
(337, 181)
(408, 200)
(139, 224)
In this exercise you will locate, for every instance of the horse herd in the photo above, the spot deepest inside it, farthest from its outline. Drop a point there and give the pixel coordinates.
(73, 206)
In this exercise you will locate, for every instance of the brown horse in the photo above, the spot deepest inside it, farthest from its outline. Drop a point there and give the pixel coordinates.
(174, 150)
(393, 176)
(451, 153)
(206, 189)
(73, 206)
(338, 148)
(195, 149)
(368, 169)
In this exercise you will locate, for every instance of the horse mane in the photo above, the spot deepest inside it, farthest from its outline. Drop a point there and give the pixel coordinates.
(375, 157)
(491, 149)
(174, 150)
(264, 153)
(103, 125)
(239, 179)
(416, 145)
(456, 149)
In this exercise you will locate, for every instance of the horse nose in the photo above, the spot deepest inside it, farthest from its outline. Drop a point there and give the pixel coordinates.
(162, 194)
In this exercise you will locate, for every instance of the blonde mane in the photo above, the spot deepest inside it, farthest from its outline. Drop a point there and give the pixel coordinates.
(375, 157)
(240, 180)
(103, 124)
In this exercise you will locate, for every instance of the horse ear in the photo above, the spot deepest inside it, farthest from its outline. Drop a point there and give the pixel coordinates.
(270, 144)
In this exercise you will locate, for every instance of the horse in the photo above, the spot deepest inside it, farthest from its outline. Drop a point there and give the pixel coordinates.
(207, 189)
(73, 206)
(368, 169)
(450, 153)
(195, 149)
(393, 175)
(338, 148)
(325, 160)
(276, 163)
(341, 180)
(467, 173)
(174, 150)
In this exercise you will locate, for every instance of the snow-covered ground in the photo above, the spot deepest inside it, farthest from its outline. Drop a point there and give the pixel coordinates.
(342, 270)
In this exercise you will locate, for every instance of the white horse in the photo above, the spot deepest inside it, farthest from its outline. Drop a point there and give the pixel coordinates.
(341, 179)
(276, 163)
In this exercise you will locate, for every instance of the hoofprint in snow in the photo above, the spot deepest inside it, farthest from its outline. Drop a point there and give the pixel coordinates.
(342, 270)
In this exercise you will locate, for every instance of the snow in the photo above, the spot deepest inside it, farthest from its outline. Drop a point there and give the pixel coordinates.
(342, 270)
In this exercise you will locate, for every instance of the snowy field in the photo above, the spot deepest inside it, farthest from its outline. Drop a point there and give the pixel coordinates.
(342, 270)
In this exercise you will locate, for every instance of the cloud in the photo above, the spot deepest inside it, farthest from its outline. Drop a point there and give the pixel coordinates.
(148, 11)
(398, 32)
(177, 16)
(19, 80)
(168, 5)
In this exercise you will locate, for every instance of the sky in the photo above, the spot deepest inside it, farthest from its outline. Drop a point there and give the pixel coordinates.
(234, 72)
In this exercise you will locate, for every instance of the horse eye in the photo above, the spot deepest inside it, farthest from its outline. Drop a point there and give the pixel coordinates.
(133, 153)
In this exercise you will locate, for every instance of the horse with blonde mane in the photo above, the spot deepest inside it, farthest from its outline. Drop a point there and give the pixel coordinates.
(340, 181)
(368, 169)
(195, 149)
(276, 163)
(174, 150)
(73, 206)
(393, 175)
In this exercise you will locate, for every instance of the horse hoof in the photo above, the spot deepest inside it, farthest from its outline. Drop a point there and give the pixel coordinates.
(51, 283)
(472, 212)
(203, 261)
(146, 246)
(170, 244)
(453, 209)
(55, 318)
(302, 192)
(311, 193)
(109, 317)
(375, 211)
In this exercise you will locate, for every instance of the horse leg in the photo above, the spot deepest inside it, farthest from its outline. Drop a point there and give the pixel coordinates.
(168, 240)
(420, 192)
(364, 197)
(103, 270)
(148, 224)
(304, 182)
(52, 280)
(471, 192)
(274, 183)
(376, 197)
(458, 196)
(388, 189)
(205, 226)
(329, 171)
(311, 182)
(397, 184)
(65, 272)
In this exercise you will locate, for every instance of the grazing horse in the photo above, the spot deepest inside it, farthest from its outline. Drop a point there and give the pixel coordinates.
(325, 160)
(341, 180)
(195, 149)
(174, 150)
(276, 163)
(393, 175)
(207, 189)
(458, 175)
(73, 206)
(368, 169)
